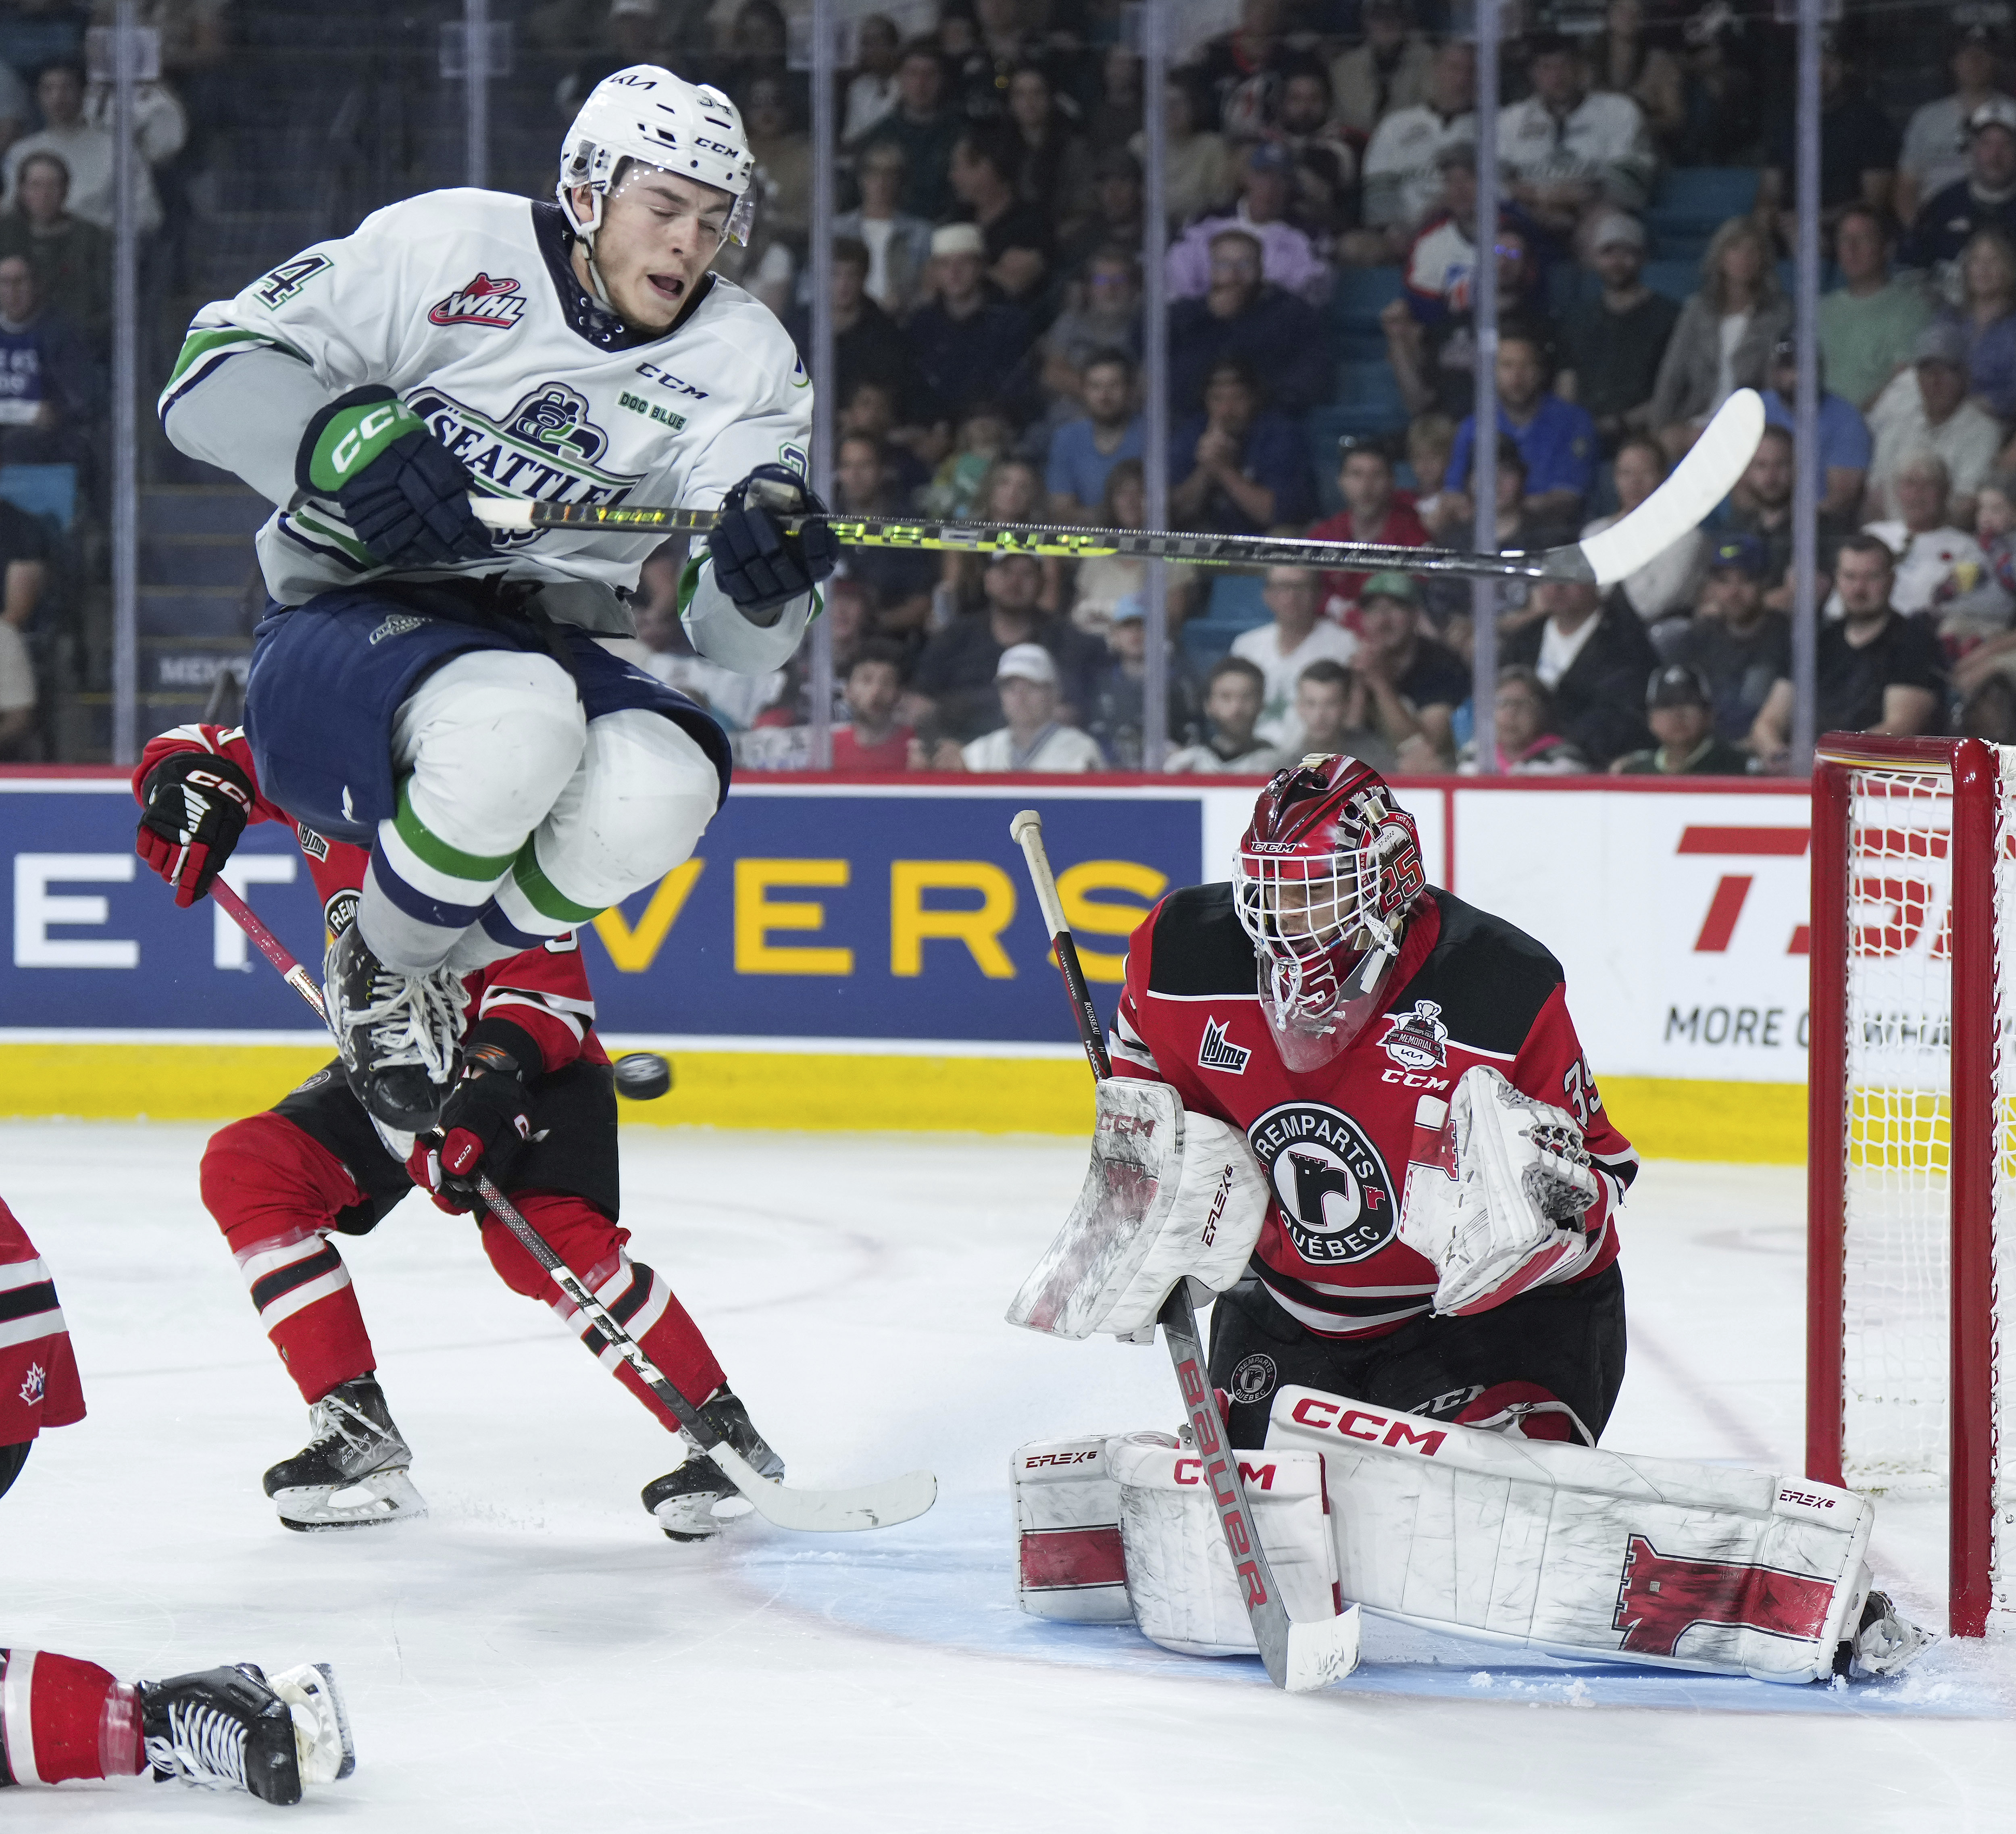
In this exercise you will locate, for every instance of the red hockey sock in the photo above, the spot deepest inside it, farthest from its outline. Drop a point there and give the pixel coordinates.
(274, 1191)
(61, 1718)
(636, 1296)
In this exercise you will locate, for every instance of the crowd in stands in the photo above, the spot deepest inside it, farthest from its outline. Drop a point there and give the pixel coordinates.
(987, 297)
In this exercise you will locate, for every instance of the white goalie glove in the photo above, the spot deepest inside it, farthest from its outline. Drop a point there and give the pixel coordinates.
(1169, 1194)
(1498, 1183)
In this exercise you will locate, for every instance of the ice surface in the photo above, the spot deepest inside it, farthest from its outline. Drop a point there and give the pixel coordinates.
(535, 1655)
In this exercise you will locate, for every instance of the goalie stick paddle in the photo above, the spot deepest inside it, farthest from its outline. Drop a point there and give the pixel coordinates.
(875, 1505)
(1701, 479)
(1299, 1657)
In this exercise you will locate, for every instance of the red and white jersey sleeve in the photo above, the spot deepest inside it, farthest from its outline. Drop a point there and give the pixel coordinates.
(1470, 989)
(39, 1381)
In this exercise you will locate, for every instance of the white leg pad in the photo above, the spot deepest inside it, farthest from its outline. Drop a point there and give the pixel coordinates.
(1068, 1560)
(1580, 1551)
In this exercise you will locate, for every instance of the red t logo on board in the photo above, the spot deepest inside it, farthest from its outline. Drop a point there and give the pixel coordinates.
(1660, 1598)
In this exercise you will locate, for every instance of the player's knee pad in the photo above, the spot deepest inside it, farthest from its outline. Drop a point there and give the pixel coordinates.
(490, 738)
(638, 804)
(264, 1179)
(590, 1244)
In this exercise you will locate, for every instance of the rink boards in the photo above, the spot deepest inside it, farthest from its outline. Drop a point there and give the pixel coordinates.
(854, 953)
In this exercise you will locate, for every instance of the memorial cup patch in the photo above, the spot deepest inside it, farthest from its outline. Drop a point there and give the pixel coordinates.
(1417, 1040)
(1335, 1196)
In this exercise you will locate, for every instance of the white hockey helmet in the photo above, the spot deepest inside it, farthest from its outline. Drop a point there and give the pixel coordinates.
(645, 113)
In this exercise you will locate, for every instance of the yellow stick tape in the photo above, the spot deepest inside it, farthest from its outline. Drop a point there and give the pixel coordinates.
(1745, 1122)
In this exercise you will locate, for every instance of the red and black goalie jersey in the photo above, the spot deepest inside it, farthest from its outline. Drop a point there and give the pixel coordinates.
(1469, 989)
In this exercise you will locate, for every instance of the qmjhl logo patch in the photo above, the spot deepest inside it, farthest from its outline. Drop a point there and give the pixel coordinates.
(497, 304)
(1216, 1053)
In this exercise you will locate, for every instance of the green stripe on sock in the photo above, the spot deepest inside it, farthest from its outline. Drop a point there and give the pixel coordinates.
(430, 848)
(530, 879)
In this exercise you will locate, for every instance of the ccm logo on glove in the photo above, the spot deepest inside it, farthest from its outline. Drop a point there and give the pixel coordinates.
(1398, 1435)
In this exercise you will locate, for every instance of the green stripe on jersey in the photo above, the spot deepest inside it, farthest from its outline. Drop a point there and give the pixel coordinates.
(540, 893)
(199, 344)
(429, 847)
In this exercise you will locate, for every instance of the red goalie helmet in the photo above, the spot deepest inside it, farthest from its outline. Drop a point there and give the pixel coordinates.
(1327, 873)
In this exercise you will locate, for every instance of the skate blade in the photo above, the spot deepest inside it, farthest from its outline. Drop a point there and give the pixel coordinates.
(701, 1515)
(323, 1741)
(379, 1496)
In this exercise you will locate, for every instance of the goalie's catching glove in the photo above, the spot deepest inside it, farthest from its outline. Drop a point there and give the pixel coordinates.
(757, 562)
(404, 495)
(193, 806)
(1497, 1188)
(484, 1128)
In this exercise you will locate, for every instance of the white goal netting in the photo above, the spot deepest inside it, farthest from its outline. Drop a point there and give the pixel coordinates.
(1897, 1298)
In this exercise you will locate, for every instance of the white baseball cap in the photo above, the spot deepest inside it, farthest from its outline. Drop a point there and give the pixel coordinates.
(958, 239)
(1026, 662)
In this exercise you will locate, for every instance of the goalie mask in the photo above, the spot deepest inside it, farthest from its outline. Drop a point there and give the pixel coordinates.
(645, 118)
(1326, 873)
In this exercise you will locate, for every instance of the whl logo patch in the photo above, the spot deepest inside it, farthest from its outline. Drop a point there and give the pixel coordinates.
(497, 304)
(397, 625)
(1216, 1053)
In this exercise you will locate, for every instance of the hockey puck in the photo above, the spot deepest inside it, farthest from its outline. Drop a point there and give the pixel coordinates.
(643, 1076)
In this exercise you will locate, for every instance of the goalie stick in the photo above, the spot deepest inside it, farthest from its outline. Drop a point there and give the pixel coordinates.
(1299, 1657)
(875, 1505)
(1701, 479)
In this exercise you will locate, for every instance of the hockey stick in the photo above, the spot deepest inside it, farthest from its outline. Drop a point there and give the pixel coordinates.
(1299, 1657)
(1701, 480)
(875, 1505)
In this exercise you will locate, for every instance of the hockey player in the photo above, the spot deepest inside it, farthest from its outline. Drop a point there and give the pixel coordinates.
(62, 1717)
(1312, 1003)
(534, 1109)
(433, 695)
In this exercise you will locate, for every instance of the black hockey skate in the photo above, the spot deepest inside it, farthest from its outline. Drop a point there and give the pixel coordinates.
(1885, 1642)
(223, 1729)
(353, 1471)
(397, 1032)
(683, 1501)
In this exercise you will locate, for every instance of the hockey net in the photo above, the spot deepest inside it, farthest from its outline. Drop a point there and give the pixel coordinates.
(1912, 1093)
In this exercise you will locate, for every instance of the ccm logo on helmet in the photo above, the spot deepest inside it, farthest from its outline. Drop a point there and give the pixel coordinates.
(1361, 1423)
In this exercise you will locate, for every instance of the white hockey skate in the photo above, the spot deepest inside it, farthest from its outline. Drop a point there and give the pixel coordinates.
(353, 1471)
(229, 1728)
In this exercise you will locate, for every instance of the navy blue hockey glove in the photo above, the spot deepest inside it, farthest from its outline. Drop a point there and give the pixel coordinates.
(483, 1130)
(404, 495)
(757, 563)
(193, 806)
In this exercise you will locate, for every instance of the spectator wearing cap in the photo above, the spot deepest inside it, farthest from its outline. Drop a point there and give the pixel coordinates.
(1402, 175)
(1570, 149)
(1394, 656)
(1870, 323)
(1593, 658)
(1372, 511)
(1734, 643)
(1877, 670)
(1722, 341)
(1921, 535)
(967, 344)
(1845, 440)
(898, 244)
(1393, 70)
(1298, 636)
(1232, 699)
(1119, 691)
(1858, 146)
(1240, 470)
(1611, 346)
(1986, 198)
(1528, 744)
(1241, 319)
(954, 677)
(1665, 586)
(1934, 153)
(1682, 722)
(922, 126)
(1083, 451)
(1032, 737)
(1556, 438)
(1288, 259)
(1927, 408)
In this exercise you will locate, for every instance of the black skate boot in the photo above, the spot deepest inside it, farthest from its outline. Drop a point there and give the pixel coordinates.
(223, 1729)
(683, 1501)
(1885, 1642)
(397, 1032)
(355, 1448)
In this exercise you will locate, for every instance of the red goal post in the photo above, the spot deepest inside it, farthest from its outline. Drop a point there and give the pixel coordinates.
(1908, 1147)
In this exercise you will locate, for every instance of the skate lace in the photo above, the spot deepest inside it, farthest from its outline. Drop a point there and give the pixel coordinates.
(204, 1745)
(416, 1021)
(332, 1419)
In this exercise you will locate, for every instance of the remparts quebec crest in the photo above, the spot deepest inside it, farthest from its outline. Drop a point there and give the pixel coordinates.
(498, 304)
(1417, 1040)
(1337, 1198)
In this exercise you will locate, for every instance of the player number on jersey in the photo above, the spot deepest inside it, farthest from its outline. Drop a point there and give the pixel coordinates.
(289, 278)
(1578, 1084)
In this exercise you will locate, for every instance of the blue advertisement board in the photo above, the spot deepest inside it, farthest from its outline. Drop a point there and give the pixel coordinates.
(824, 911)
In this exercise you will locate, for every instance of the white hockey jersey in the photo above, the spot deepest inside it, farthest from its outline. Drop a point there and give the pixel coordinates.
(465, 302)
